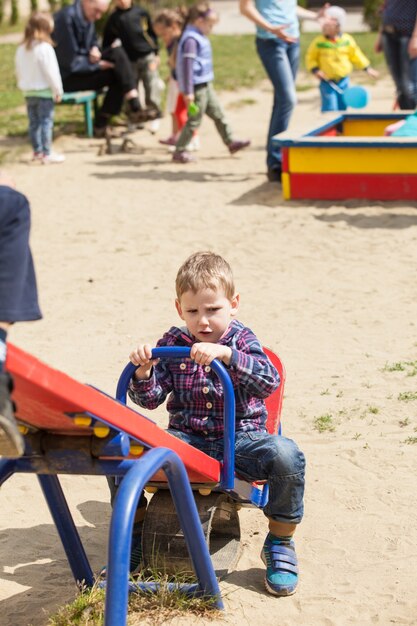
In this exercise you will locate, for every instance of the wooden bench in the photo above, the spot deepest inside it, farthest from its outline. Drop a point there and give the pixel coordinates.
(88, 99)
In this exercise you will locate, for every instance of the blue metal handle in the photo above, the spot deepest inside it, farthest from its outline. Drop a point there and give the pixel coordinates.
(175, 352)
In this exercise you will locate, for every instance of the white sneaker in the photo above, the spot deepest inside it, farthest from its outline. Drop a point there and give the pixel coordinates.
(153, 126)
(53, 157)
(37, 157)
(194, 144)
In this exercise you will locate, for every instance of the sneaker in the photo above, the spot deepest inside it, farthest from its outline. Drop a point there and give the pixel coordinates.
(194, 144)
(154, 125)
(182, 157)
(11, 441)
(274, 174)
(37, 157)
(281, 565)
(170, 141)
(53, 157)
(235, 146)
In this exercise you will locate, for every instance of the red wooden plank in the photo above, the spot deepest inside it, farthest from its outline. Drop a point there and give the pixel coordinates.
(284, 163)
(44, 395)
(345, 186)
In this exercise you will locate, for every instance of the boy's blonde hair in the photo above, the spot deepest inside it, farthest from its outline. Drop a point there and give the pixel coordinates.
(205, 270)
(38, 28)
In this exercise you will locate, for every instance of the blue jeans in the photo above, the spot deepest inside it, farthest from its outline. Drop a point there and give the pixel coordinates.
(41, 123)
(260, 456)
(331, 100)
(403, 69)
(280, 61)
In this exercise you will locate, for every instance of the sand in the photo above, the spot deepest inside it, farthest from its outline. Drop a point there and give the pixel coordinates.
(329, 286)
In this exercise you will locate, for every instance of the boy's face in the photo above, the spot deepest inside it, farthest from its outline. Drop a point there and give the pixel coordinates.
(207, 313)
(330, 27)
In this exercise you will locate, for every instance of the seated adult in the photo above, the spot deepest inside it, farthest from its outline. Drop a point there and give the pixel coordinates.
(83, 66)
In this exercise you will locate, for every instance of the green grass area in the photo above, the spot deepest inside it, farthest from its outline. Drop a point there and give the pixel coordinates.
(236, 65)
(87, 609)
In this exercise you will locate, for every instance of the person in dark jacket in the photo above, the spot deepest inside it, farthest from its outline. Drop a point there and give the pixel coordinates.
(18, 298)
(132, 26)
(84, 66)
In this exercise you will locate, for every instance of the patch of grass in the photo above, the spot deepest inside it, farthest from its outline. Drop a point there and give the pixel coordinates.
(158, 608)
(7, 29)
(403, 423)
(304, 87)
(236, 63)
(410, 367)
(410, 440)
(86, 609)
(324, 423)
(242, 102)
(325, 392)
(407, 396)
(373, 409)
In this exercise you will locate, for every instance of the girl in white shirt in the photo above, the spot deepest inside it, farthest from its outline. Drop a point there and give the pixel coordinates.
(39, 78)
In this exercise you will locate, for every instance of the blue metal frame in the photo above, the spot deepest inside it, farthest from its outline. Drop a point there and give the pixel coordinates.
(53, 457)
(173, 352)
(136, 474)
(122, 525)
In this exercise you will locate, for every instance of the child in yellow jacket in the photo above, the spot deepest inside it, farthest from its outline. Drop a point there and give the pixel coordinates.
(332, 56)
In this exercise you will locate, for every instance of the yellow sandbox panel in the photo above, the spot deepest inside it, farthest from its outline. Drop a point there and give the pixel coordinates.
(286, 185)
(365, 128)
(333, 160)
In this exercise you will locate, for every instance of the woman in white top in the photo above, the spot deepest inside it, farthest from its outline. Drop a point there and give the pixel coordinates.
(39, 78)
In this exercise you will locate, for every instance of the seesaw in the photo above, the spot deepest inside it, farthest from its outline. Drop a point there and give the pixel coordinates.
(72, 428)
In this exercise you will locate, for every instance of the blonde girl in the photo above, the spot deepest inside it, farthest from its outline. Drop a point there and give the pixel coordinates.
(39, 78)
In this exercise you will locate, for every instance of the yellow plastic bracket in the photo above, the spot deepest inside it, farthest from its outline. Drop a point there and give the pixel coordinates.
(101, 431)
(82, 420)
(136, 449)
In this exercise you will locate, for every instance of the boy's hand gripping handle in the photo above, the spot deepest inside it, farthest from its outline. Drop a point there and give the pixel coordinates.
(174, 352)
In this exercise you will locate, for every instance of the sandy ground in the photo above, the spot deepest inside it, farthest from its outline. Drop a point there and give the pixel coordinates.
(330, 286)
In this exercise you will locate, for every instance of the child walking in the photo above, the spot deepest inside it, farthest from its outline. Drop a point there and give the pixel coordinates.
(194, 68)
(168, 25)
(39, 78)
(131, 25)
(332, 56)
(208, 303)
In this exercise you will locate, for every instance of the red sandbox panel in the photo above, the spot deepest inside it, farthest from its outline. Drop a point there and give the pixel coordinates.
(363, 186)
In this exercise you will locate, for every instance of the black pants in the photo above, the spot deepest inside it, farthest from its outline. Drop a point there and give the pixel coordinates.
(403, 69)
(119, 81)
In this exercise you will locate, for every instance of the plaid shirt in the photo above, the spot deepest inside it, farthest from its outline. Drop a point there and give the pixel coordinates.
(195, 403)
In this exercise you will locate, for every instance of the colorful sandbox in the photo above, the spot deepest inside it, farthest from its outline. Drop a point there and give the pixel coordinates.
(349, 157)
